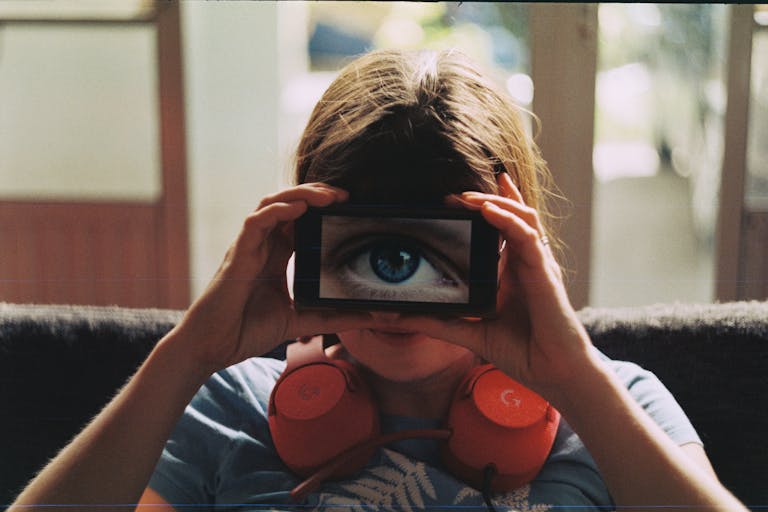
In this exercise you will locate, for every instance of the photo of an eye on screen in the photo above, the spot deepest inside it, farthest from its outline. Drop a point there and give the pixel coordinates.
(400, 259)
(424, 260)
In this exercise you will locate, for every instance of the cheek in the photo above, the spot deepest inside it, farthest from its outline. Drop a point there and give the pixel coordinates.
(359, 346)
(351, 341)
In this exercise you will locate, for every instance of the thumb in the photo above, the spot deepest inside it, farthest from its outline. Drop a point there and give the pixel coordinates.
(466, 332)
(313, 322)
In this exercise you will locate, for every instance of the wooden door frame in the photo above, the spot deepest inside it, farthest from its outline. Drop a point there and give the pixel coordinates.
(174, 236)
(563, 42)
(731, 217)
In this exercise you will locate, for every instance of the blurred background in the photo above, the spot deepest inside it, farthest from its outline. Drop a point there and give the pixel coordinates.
(135, 136)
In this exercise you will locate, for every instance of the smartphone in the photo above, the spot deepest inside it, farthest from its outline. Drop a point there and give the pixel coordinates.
(421, 260)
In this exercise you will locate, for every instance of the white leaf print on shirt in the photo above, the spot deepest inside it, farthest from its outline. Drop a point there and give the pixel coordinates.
(516, 500)
(399, 484)
(402, 484)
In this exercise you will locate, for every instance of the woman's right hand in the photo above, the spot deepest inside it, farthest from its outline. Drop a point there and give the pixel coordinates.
(246, 309)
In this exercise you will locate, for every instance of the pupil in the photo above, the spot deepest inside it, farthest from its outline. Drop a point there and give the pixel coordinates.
(394, 263)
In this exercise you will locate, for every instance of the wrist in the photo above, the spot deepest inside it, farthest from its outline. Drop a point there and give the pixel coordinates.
(174, 354)
(589, 376)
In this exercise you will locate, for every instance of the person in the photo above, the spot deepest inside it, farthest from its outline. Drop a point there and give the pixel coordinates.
(190, 430)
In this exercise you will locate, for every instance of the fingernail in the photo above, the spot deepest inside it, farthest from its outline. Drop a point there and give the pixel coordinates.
(509, 180)
(458, 200)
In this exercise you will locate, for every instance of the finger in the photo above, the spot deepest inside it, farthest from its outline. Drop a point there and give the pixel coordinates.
(459, 331)
(313, 322)
(315, 194)
(508, 189)
(531, 217)
(516, 231)
(476, 200)
(539, 279)
(260, 223)
(456, 200)
(252, 248)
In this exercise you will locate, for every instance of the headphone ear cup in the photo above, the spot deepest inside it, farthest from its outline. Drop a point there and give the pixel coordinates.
(318, 411)
(497, 421)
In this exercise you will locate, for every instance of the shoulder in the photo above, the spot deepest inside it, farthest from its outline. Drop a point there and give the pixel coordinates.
(242, 389)
(229, 400)
(642, 384)
(635, 378)
(252, 376)
(221, 445)
(253, 372)
(654, 397)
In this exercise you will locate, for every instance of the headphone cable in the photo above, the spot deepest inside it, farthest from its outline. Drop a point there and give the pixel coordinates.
(489, 472)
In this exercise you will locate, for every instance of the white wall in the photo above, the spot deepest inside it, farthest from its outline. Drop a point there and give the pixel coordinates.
(232, 90)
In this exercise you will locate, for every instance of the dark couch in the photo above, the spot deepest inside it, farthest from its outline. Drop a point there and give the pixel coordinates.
(59, 365)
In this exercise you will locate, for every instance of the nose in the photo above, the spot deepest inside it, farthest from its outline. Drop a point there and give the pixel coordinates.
(385, 316)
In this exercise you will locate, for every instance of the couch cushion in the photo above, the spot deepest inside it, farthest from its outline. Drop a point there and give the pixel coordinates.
(59, 365)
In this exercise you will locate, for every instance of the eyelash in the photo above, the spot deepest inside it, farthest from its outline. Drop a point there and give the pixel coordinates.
(355, 246)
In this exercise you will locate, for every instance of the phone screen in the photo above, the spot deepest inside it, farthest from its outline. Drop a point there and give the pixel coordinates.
(395, 259)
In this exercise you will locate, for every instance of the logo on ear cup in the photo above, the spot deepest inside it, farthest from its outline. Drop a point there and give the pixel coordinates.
(308, 391)
(508, 398)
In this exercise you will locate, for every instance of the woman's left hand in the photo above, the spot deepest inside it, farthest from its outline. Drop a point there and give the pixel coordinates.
(536, 336)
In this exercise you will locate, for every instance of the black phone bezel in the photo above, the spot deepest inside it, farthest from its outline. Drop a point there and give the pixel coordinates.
(484, 255)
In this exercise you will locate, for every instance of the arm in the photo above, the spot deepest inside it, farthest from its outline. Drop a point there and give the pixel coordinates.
(538, 340)
(245, 312)
(110, 462)
(696, 453)
(642, 467)
(152, 502)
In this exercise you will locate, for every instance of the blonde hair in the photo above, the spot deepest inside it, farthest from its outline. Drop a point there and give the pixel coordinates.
(412, 127)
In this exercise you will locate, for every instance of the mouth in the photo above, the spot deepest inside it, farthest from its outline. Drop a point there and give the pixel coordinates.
(395, 336)
(391, 330)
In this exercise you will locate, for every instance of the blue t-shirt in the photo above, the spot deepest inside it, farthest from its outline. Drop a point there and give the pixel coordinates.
(221, 457)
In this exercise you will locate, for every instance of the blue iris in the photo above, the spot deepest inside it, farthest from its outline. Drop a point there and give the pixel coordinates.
(394, 263)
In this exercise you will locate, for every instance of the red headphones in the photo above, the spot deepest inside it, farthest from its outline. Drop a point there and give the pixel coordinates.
(324, 423)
